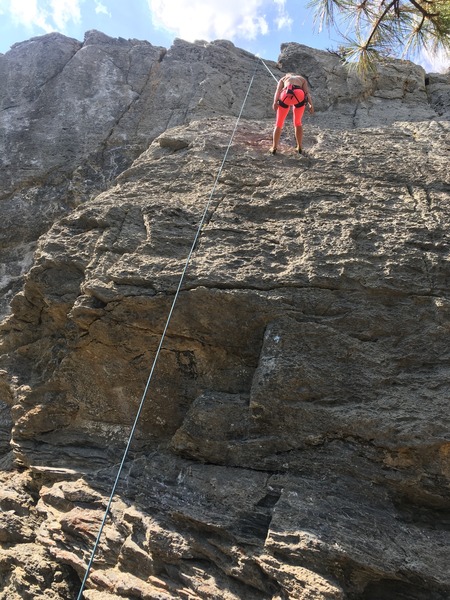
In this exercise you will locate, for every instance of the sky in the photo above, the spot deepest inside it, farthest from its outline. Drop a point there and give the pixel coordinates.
(259, 26)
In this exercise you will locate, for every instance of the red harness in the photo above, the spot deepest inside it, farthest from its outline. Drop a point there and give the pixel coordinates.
(288, 94)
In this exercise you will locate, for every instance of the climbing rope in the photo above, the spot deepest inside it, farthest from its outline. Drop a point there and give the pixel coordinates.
(158, 351)
(268, 69)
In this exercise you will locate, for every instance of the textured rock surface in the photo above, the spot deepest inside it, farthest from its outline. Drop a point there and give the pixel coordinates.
(295, 439)
(74, 115)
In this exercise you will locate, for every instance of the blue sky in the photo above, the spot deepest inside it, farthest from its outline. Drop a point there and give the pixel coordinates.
(259, 26)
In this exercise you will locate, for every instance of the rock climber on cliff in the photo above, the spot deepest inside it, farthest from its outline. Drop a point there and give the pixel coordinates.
(292, 90)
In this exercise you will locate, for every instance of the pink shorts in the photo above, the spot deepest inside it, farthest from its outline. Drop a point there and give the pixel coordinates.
(297, 111)
(296, 115)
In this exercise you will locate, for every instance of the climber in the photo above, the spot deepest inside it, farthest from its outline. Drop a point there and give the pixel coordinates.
(292, 90)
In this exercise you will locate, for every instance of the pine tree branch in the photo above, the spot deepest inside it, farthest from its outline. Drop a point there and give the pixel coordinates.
(422, 10)
(383, 27)
(377, 24)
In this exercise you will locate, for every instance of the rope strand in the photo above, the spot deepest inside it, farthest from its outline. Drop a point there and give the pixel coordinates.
(158, 351)
(268, 69)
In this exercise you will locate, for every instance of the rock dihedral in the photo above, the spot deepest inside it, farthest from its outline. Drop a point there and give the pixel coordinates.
(294, 441)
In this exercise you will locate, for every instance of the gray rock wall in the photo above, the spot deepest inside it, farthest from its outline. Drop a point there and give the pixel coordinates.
(295, 439)
(75, 115)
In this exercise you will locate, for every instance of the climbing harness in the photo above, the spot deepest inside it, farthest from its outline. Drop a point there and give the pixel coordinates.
(288, 93)
(158, 351)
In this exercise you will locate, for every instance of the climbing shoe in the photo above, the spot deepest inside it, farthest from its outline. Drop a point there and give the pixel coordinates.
(273, 151)
(298, 149)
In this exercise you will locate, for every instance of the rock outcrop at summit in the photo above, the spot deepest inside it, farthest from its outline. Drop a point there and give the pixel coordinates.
(294, 443)
(75, 115)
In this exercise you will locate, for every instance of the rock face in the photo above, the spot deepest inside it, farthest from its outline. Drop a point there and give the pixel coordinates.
(294, 438)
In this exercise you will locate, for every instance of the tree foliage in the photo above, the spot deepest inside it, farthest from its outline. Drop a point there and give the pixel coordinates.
(373, 29)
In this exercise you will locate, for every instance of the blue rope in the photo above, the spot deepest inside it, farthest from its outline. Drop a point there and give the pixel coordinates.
(155, 360)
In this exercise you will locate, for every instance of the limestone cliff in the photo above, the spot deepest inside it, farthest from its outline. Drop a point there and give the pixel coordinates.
(294, 443)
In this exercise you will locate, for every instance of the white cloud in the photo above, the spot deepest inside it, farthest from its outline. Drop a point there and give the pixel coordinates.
(27, 13)
(438, 62)
(101, 9)
(48, 15)
(63, 11)
(211, 19)
(283, 20)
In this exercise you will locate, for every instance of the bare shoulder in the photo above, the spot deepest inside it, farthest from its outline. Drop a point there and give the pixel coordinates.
(300, 79)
